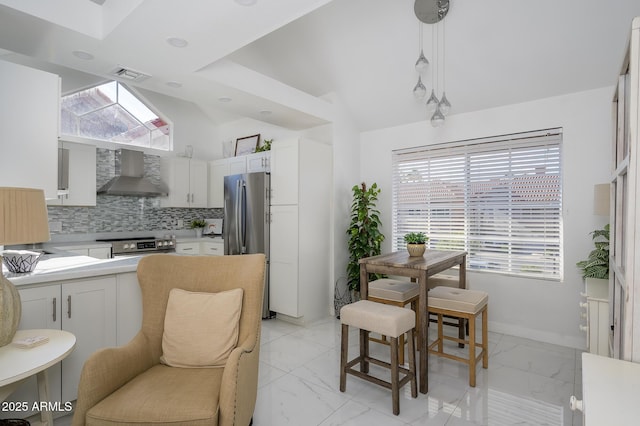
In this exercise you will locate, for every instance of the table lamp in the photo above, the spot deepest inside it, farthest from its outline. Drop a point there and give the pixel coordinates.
(23, 220)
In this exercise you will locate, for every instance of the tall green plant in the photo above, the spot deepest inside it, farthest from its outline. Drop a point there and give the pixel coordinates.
(365, 238)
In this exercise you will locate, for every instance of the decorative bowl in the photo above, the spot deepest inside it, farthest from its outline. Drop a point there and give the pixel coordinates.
(20, 261)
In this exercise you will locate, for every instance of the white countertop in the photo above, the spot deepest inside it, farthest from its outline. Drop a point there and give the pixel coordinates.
(60, 268)
(206, 239)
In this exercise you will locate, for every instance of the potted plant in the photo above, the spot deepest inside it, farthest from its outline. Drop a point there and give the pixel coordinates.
(266, 146)
(365, 238)
(416, 243)
(198, 225)
(596, 266)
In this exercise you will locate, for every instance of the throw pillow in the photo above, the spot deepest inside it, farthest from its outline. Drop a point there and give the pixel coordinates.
(200, 329)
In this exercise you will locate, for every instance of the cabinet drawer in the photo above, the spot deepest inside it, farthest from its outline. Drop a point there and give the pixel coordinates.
(212, 249)
(188, 248)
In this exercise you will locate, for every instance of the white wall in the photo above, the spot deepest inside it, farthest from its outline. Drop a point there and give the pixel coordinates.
(542, 310)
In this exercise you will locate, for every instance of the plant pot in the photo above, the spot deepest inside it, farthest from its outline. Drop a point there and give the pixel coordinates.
(198, 232)
(416, 250)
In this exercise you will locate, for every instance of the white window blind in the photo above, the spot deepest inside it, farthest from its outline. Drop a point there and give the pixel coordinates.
(498, 198)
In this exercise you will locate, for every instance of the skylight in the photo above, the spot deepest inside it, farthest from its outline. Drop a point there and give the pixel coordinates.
(110, 112)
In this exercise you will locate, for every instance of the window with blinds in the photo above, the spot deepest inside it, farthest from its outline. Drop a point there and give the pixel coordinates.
(499, 198)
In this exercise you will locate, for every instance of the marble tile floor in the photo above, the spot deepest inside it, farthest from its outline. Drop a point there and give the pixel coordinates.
(527, 383)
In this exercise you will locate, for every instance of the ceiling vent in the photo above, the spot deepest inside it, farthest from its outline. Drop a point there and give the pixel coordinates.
(128, 74)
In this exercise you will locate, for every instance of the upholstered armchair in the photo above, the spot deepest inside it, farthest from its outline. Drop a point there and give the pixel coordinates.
(131, 385)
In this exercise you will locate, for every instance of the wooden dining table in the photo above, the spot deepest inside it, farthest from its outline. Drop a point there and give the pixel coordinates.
(419, 268)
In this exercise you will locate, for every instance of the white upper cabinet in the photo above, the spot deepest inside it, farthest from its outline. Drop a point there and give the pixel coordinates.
(218, 169)
(81, 169)
(259, 162)
(284, 172)
(187, 180)
(29, 125)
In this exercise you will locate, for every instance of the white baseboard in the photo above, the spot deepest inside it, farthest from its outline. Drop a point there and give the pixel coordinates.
(541, 336)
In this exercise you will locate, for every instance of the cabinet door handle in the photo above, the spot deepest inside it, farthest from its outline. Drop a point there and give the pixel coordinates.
(54, 309)
(188, 197)
(187, 248)
(69, 306)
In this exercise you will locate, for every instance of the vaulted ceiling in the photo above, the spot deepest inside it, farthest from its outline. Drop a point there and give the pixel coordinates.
(276, 60)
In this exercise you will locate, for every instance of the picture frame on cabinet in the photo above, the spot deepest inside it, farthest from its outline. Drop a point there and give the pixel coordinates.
(247, 144)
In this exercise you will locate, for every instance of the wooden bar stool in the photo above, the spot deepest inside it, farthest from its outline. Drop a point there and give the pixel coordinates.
(443, 280)
(391, 321)
(465, 304)
(395, 293)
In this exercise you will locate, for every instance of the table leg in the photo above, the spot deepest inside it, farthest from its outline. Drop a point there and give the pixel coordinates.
(423, 333)
(462, 283)
(43, 396)
(364, 282)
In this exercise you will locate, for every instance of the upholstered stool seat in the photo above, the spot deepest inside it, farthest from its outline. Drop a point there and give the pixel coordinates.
(395, 293)
(391, 321)
(464, 304)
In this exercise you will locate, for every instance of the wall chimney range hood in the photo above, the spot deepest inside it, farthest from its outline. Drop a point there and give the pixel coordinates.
(130, 179)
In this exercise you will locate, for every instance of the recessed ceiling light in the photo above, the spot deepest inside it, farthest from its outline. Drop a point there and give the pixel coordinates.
(246, 2)
(224, 99)
(265, 112)
(174, 84)
(82, 55)
(177, 42)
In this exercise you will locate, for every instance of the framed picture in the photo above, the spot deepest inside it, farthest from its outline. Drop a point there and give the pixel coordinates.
(247, 145)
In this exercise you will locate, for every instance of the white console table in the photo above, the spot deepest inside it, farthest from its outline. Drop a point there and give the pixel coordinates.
(610, 389)
(17, 365)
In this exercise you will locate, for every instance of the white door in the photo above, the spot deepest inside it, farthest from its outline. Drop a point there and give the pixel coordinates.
(198, 183)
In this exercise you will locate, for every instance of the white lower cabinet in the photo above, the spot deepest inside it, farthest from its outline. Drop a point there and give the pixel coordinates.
(205, 247)
(212, 248)
(283, 264)
(86, 308)
(97, 252)
(188, 248)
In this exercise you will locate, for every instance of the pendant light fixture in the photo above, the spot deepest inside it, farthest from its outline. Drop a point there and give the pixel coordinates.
(437, 119)
(422, 64)
(432, 102)
(445, 105)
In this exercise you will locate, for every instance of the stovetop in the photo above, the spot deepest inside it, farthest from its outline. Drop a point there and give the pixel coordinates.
(141, 244)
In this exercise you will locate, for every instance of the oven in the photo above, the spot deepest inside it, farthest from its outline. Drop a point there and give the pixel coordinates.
(140, 246)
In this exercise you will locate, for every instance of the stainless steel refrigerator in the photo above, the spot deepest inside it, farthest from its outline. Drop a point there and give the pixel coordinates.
(246, 220)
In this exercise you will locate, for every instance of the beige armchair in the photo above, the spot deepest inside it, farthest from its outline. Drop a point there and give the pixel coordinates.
(129, 385)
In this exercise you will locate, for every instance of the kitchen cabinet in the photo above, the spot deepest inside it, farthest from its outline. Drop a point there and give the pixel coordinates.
(82, 176)
(187, 180)
(300, 217)
(285, 171)
(97, 252)
(128, 307)
(218, 169)
(192, 248)
(86, 308)
(258, 162)
(29, 127)
(212, 248)
(205, 247)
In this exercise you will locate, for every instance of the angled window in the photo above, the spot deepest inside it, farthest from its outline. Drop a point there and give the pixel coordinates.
(110, 112)
(500, 199)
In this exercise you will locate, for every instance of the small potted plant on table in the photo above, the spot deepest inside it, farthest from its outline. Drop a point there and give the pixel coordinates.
(416, 243)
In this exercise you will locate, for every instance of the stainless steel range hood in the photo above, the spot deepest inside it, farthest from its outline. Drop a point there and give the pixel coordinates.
(130, 178)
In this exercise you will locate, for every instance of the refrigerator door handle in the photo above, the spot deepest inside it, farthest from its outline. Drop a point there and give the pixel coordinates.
(238, 216)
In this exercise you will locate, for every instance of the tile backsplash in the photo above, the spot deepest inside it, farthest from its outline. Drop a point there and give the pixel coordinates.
(114, 213)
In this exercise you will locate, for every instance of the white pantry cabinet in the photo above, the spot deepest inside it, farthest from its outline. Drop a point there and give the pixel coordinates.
(29, 127)
(301, 171)
(187, 180)
(86, 308)
(82, 176)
